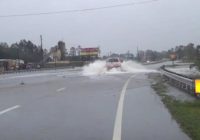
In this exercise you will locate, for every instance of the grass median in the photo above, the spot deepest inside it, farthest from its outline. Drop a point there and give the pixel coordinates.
(186, 113)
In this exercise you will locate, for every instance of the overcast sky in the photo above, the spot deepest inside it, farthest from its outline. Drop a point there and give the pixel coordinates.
(158, 25)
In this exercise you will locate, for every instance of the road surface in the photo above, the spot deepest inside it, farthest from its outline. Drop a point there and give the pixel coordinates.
(66, 105)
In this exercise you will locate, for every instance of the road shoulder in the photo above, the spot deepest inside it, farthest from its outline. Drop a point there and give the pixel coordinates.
(185, 111)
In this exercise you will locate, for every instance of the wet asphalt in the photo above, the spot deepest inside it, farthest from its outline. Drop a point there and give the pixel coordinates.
(66, 105)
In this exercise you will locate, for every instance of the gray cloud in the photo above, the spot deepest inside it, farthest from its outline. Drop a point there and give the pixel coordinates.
(159, 25)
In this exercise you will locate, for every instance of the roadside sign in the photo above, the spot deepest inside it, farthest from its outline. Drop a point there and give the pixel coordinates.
(197, 87)
(173, 56)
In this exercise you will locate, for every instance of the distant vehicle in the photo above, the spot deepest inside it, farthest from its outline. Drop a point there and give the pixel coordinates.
(29, 65)
(113, 63)
(38, 66)
(11, 64)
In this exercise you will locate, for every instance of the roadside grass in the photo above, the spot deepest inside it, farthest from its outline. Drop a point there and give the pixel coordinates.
(186, 113)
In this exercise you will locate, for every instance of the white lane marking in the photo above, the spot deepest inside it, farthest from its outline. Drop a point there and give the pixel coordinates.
(9, 109)
(118, 120)
(60, 89)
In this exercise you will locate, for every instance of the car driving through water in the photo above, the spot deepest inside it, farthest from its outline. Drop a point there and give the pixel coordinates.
(113, 63)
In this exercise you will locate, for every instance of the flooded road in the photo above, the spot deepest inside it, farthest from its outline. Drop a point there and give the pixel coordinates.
(71, 105)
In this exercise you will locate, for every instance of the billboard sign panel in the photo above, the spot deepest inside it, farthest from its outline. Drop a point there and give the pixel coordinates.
(89, 51)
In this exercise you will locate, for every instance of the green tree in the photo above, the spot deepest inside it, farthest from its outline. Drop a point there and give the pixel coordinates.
(197, 62)
(26, 51)
(4, 51)
(189, 52)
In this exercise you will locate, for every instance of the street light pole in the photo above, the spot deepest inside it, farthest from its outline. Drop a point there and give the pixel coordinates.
(42, 49)
(18, 61)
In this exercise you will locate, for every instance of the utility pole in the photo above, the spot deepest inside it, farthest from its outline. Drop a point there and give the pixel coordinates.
(41, 41)
(137, 54)
(18, 57)
(41, 45)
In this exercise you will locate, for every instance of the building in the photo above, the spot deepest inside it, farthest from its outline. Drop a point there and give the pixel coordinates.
(72, 51)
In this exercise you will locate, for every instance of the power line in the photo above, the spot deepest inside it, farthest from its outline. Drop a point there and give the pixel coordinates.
(78, 10)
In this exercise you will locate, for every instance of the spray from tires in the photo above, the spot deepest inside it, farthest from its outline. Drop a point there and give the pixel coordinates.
(99, 68)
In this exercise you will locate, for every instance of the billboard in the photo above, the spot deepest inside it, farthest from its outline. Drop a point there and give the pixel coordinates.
(89, 52)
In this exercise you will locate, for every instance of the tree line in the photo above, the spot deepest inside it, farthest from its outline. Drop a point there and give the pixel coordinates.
(30, 52)
(187, 53)
(24, 50)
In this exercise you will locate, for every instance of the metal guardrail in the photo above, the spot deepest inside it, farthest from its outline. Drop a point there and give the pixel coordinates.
(180, 81)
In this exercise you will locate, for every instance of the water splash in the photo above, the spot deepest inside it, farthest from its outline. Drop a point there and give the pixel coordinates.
(95, 68)
(99, 68)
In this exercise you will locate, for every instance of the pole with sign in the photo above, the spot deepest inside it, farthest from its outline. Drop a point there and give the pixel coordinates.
(173, 57)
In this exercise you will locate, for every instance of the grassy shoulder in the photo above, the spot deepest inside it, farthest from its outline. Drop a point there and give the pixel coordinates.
(187, 114)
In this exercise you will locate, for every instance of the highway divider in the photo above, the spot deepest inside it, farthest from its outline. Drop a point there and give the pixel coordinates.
(154, 62)
(49, 66)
